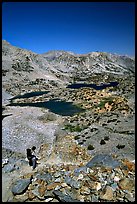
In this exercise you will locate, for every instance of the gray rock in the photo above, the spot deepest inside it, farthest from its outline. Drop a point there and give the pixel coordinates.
(66, 173)
(57, 180)
(114, 186)
(130, 197)
(35, 191)
(94, 198)
(45, 177)
(57, 174)
(81, 169)
(70, 181)
(4, 161)
(9, 168)
(20, 186)
(64, 198)
(103, 160)
(49, 194)
(21, 162)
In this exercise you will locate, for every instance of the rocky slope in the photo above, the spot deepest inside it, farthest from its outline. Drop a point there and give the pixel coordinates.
(65, 143)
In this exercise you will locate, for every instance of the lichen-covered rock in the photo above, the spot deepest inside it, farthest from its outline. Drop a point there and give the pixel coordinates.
(20, 186)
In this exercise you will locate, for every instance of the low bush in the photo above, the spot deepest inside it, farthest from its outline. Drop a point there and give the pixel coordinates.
(91, 147)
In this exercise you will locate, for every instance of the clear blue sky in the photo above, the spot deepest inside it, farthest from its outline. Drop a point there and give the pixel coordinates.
(80, 27)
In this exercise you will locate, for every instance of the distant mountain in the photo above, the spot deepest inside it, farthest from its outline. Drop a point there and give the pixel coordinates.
(59, 67)
(94, 62)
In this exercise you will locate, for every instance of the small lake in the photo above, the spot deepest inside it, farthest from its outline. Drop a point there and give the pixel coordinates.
(31, 94)
(58, 107)
(3, 116)
(97, 87)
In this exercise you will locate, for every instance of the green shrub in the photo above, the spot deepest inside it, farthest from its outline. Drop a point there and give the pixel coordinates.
(91, 147)
(68, 127)
(104, 101)
(80, 143)
(72, 128)
(101, 104)
(76, 137)
(106, 138)
(77, 128)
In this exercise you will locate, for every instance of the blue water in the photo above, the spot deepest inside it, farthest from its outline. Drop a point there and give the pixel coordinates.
(31, 94)
(97, 87)
(59, 107)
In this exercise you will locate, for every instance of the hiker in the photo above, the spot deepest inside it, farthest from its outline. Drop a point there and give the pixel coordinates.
(31, 157)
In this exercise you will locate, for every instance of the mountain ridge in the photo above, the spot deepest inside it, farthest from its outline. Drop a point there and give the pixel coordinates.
(88, 59)
(70, 52)
(59, 68)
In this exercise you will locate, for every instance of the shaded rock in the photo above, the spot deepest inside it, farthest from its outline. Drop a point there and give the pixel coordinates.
(20, 186)
(45, 177)
(120, 146)
(106, 138)
(102, 142)
(103, 160)
(64, 198)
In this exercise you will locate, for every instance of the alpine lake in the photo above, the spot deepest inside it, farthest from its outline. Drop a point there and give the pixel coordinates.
(56, 105)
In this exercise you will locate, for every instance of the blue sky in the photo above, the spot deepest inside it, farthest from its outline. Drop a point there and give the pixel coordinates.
(80, 27)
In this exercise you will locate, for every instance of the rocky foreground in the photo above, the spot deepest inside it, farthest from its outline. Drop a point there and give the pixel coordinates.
(88, 157)
(103, 178)
(85, 157)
